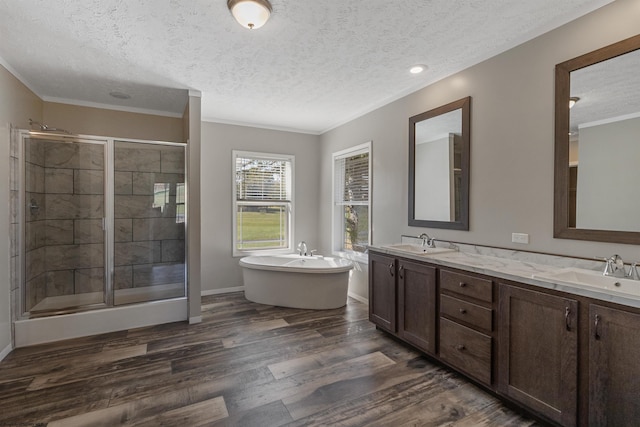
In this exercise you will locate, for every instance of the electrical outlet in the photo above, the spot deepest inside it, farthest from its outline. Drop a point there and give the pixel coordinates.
(520, 238)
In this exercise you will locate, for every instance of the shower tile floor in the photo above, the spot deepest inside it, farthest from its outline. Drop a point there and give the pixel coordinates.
(245, 365)
(65, 301)
(122, 296)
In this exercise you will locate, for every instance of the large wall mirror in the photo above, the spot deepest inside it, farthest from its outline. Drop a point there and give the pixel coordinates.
(439, 167)
(597, 145)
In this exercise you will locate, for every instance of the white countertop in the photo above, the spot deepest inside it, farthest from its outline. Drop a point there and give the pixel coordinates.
(518, 267)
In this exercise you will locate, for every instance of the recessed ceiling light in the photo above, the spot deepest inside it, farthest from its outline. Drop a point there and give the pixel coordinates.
(417, 69)
(119, 95)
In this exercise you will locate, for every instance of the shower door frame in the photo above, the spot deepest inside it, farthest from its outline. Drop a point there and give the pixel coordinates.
(108, 144)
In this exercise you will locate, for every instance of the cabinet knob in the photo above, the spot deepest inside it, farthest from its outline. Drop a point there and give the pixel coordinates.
(462, 284)
(460, 347)
(463, 311)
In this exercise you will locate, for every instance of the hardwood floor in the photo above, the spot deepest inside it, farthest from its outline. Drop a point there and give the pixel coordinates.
(246, 364)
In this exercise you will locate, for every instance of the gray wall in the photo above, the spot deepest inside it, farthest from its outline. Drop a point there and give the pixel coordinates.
(219, 268)
(608, 175)
(17, 106)
(512, 142)
(118, 124)
(434, 176)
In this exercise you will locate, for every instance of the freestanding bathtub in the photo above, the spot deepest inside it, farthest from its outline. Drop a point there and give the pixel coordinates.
(313, 282)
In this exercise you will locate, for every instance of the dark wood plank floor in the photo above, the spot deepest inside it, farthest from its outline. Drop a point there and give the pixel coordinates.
(246, 364)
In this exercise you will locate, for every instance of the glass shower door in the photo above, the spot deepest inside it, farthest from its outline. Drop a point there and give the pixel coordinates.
(64, 228)
(149, 221)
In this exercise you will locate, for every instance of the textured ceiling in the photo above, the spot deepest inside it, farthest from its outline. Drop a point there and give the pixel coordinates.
(313, 66)
(607, 90)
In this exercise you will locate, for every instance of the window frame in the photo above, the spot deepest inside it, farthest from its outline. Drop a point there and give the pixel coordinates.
(337, 217)
(234, 205)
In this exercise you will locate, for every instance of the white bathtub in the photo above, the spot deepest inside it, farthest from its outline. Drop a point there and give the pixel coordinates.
(296, 281)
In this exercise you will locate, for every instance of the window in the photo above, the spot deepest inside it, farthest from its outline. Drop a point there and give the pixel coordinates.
(180, 202)
(162, 199)
(161, 195)
(352, 187)
(262, 202)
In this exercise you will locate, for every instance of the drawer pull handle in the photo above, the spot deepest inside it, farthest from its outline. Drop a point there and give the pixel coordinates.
(462, 284)
(460, 347)
(400, 272)
(595, 327)
(391, 269)
(463, 311)
(567, 311)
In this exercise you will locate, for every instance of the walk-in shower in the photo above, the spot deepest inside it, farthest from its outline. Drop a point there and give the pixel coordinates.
(101, 222)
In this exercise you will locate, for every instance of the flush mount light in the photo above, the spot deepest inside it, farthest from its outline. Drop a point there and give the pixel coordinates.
(572, 101)
(119, 95)
(250, 14)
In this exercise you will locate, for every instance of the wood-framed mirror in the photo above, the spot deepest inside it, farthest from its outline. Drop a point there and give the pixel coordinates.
(597, 145)
(439, 161)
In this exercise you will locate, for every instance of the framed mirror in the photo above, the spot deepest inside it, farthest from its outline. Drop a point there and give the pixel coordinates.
(439, 156)
(597, 145)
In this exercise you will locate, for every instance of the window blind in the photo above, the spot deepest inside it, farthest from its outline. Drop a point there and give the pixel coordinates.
(259, 179)
(352, 180)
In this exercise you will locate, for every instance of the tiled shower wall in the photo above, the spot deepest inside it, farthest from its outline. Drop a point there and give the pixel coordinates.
(149, 226)
(14, 188)
(64, 207)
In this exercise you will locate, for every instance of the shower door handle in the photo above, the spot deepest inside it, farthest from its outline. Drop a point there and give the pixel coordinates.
(104, 224)
(34, 208)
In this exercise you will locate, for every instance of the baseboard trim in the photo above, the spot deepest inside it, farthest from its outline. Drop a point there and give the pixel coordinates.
(195, 319)
(241, 288)
(358, 298)
(4, 353)
(222, 291)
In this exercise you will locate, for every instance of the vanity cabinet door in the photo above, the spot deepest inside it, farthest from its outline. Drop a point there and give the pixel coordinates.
(382, 291)
(417, 304)
(614, 370)
(538, 351)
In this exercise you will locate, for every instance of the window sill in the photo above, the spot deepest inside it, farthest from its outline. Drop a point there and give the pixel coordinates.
(240, 254)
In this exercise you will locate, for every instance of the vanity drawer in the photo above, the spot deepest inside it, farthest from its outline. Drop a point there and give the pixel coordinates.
(473, 287)
(473, 314)
(466, 349)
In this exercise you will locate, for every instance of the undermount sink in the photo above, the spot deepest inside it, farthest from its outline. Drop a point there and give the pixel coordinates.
(417, 249)
(592, 279)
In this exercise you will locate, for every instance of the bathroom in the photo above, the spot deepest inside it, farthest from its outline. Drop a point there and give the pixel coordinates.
(511, 172)
(504, 89)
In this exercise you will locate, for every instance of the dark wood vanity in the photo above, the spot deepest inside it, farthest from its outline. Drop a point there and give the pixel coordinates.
(568, 359)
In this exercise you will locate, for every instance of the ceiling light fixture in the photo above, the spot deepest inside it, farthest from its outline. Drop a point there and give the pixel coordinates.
(250, 14)
(417, 69)
(572, 101)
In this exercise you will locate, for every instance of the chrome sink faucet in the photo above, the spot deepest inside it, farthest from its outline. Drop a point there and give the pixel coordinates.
(302, 248)
(427, 241)
(614, 266)
(633, 272)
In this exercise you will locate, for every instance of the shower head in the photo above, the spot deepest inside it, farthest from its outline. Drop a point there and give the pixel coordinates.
(45, 128)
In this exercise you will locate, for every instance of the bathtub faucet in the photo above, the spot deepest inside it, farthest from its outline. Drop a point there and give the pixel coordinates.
(302, 248)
